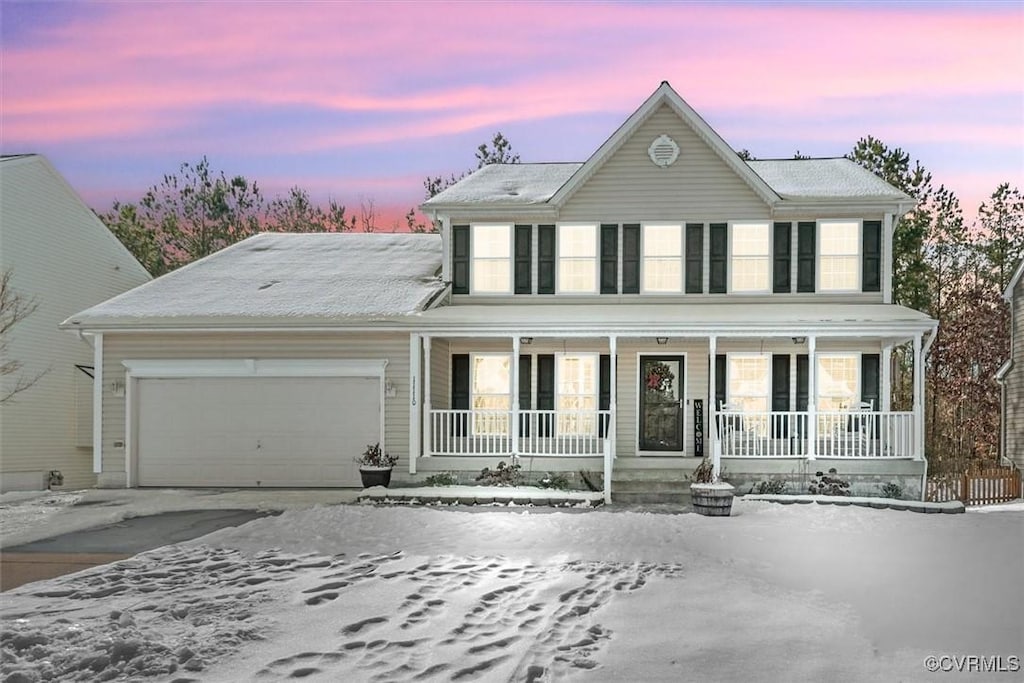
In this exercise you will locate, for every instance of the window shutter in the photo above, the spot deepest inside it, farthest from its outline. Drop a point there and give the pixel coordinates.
(460, 393)
(525, 379)
(806, 249)
(694, 258)
(782, 256)
(524, 250)
(604, 391)
(871, 279)
(545, 259)
(609, 258)
(545, 392)
(780, 393)
(721, 378)
(631, 259)
(460, 259)
(869, 379)
(718, 263)
(802, 382)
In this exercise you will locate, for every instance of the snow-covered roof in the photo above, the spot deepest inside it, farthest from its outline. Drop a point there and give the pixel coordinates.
(286, 279)
(507, 183)
(791, 179)
(824, 179)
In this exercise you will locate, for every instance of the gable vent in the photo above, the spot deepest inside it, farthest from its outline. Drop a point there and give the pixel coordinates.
(663, 151)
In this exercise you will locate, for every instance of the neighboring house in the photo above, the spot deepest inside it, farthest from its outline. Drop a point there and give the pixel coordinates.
(661, 301)
(62, 257)
(1011, 375)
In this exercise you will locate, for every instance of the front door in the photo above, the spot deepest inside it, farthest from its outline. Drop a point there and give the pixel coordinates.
(661, 403)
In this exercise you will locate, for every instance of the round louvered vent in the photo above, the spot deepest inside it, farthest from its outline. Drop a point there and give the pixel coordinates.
(663, 151)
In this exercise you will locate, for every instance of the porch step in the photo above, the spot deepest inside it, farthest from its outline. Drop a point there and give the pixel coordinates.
(670, 497)
(652, 486)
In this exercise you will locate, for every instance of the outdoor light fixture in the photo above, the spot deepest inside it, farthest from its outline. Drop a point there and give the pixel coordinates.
(799, 340)
(526, 340)
(662, 340)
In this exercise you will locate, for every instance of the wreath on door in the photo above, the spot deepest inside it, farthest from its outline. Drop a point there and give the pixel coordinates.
(659, 378)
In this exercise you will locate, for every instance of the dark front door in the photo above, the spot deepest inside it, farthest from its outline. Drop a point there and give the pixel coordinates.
(661, 403)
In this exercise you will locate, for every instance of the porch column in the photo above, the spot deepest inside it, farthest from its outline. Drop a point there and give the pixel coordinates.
(918, 399)
(812, 398)
(428, 419)
(514, 433)
(885, 400)
(716, 451)
(613, 374)
(415, 416)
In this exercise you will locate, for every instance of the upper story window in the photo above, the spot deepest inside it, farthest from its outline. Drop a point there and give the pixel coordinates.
(663, 258)
(839, 256)
(491, 265)
(577, 259)
(750, 265)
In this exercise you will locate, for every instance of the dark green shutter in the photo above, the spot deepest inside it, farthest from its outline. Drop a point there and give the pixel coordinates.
(545, 259)
(545, 392)
(806, 250)
(870, 364)
(872, 257)
(460, 259)
(631, 259)
(802, 382)
(780, 394)
(609, 259)
(525, 364)
(604, 391)
(524, 252)
(782, 256)
(721, 379)
(718, 261)
(460, 393)
(694, 258)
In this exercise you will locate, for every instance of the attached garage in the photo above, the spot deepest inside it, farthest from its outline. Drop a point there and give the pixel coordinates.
(252, 423)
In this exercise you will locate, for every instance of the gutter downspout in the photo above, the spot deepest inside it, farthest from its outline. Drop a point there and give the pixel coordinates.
(924, 354)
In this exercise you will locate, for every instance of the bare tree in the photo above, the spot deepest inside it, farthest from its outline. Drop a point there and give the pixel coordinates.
(13, 309)
(367, 214)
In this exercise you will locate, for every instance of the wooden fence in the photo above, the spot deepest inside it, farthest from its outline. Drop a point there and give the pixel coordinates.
(979, 487)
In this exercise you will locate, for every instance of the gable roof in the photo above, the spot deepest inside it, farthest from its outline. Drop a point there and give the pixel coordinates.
(1017, 275)
(285, 279)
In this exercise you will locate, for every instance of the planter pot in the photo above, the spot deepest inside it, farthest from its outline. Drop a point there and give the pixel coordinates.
(713, 500)
(375, 476)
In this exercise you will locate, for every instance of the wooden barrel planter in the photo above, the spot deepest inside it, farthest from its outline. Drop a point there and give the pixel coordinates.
(712, 500)
(375, 476)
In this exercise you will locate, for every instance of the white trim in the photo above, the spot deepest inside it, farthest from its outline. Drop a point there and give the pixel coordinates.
(643, 258)
(425, 417)
(730, 264)
(596, 259)
(129, 431)
(446, 247)
(712, 412)
(860, 256)
(684, 397)
(613, 395)
(97, 404)
(415, 386)
(254, 367)
(1017, 275)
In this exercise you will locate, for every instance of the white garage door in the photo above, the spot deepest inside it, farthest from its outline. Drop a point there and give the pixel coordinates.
(255, 431)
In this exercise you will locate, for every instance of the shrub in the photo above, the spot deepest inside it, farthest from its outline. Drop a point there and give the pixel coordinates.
(554, 480)
(442, 479)
(772, 486)
(828, 484)
(705, 472)
(892, 490)
(502, 475)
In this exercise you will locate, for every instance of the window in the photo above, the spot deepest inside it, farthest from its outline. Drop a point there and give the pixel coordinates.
(663, 258)
(751, 258)
(576, 384)
(837, 382)
(577, 259)
(749, 382)
(491, 390)
(492, 259)
(839, 255)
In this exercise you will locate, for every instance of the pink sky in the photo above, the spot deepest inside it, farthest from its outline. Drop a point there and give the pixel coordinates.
(353, 100)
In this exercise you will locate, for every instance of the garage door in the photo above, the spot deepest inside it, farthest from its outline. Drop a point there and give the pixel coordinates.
(255, 431)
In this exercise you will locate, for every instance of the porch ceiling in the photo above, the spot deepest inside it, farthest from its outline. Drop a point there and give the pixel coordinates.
(698, 319)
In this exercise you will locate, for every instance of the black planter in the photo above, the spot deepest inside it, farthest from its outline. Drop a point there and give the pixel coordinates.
(375, 476)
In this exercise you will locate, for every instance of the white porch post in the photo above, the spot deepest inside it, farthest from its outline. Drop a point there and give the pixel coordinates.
(812, 398)
(428, 419)
(415, 415)
(918, 399)
(613, 375)
(514, 434)
(97, 405)
(716, 452)
(885, 400)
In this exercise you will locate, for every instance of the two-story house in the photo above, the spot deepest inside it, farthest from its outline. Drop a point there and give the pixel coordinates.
(662, 301)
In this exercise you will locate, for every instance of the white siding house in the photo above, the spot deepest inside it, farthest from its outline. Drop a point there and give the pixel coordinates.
(64, 259)
(660, 302)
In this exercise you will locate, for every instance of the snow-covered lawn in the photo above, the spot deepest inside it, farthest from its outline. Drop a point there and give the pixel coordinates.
(364, 593)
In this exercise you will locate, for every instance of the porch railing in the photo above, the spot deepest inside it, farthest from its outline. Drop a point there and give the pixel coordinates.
(541, 432)
(860, 434)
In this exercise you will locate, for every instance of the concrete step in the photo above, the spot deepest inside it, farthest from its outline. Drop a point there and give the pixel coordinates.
(676, 497)
(673, 475)
(654, 486)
